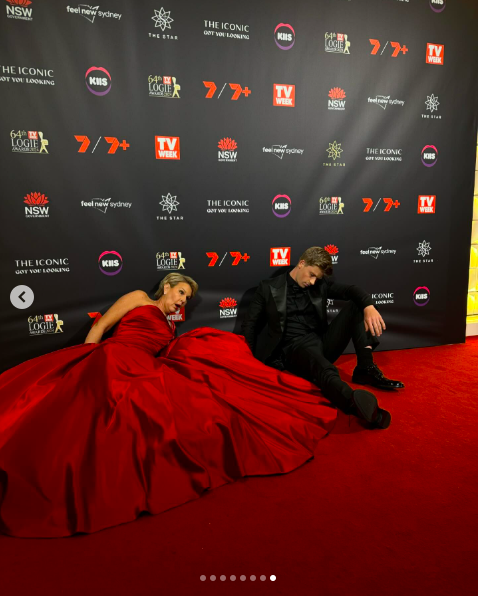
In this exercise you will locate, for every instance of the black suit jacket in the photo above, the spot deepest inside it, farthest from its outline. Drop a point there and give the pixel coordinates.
(269, 306)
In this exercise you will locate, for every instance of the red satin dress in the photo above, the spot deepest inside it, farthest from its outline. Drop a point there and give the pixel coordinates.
(94, 434)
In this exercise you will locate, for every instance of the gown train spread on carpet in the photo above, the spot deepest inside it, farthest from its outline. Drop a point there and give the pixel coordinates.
(94, 434)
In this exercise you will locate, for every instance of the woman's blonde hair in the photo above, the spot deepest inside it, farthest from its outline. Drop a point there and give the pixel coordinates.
(173, 279)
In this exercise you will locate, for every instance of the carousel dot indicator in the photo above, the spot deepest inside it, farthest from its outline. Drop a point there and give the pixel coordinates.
(263, 578)
(213, 578)
(233, 578)
(273, 578)
(223, 578)
(203, 578)
(253, 578)
(243, 578)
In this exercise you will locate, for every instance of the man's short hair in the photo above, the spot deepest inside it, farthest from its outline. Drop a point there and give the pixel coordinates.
(315, 256)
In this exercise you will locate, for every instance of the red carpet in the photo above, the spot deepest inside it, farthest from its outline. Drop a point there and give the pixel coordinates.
(376, 513)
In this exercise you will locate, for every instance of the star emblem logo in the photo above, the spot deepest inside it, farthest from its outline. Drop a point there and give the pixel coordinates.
(169, 203)
(334, 150)
(424, 248)
(432, 102)
(162, 19)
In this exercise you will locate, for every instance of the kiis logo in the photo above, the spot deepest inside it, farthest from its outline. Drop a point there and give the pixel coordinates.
(167, 148)
(96, 81)
(33, 142)
(227, 152)
(284, 36)
(426, 203)
(333, 252)
(421, 296)
(281, 205)
(337, 43)
(284, 95)
(36, 202)
(45, 324)
(18, 10)
(228, 308)
(435, 53)
(438, 5)
(429, 155)
(337, 99)
(280, 256)
(110, 265)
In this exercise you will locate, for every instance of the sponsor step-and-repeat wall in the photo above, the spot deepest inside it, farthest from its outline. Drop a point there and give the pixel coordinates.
(221, 139)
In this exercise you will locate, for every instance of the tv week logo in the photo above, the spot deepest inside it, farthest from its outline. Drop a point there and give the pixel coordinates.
(435, 53)
(280, 256)
(284, 95)
(426, 203)
(167, 148)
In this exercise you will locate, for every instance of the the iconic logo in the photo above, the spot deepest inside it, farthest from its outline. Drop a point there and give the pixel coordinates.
(376, 251)
(383, 154)
(281, 205)
(228, 206)
(45, 324)
(284, 36)
(112, 141)
(169, 261)
(238, 90)
(43, 76)
(165, 86)
(429, 155)
(280, 256)
(438, 5)
(61, 265)
(103, 204)
(31, 142)
(334, 152)
(382, 101)
(284, 95)
(337, 99)
(435, 53)
(36, 205)
(388, 202)
(227, 152)
(91, 12)
(331, 206)
(423, 250)
(18, 9)
(231, 30)
(397, 48)
(337, 43)
(281, 150)
(162, 19)
(228, 308)
(167, 148)
(110, 262)
(426, 203)
(421, 296)
(98, 80)
(333, 252)
(383, 297)
(237, 257)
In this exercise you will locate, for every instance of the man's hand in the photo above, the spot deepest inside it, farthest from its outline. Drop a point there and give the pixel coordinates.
(373, 321)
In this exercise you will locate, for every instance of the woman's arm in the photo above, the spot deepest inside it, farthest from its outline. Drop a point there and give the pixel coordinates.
(115, 313)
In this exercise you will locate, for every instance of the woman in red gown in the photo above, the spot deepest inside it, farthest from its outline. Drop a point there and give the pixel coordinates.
(94, 434)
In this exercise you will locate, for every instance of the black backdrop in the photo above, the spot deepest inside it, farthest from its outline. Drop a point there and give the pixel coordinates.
(391, 103)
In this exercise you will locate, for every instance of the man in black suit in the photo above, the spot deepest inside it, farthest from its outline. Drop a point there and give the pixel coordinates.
(299, 339)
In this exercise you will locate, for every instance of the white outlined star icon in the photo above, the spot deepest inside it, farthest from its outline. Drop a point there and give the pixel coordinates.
(432, 102)
(334, 150)
(424, 248)
(169, 203)
(162, 19)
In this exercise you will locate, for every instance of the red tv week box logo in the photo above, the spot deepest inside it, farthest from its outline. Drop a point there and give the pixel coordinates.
(435, 53)
(426, 203)
(179, 316)
(167, 148)
(280, 256)
(284, 95)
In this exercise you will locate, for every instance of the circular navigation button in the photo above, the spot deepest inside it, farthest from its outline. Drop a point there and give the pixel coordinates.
(22, 297)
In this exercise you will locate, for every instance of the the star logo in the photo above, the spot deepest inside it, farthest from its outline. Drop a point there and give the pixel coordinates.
(334, 150)
(432, 102)
(162, 19)
(169, 203)
(424, 248)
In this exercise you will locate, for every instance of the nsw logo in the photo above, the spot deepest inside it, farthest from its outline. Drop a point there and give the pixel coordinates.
(36, 205)
(284, 36)
(228, 308)
(281, 205)
(98, 80)
(336, 99)
(227, 151)
(333, 252)
(110, 262)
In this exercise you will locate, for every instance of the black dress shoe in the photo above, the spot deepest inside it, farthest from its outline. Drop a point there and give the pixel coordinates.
(365, 406)
(372, 375)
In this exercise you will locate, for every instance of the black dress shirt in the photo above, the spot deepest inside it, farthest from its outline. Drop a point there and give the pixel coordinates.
(301, 316)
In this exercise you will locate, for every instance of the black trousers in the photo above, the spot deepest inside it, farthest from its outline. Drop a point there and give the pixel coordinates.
(312, 355)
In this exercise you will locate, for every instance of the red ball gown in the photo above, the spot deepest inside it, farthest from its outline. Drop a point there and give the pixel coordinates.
(94, 434)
